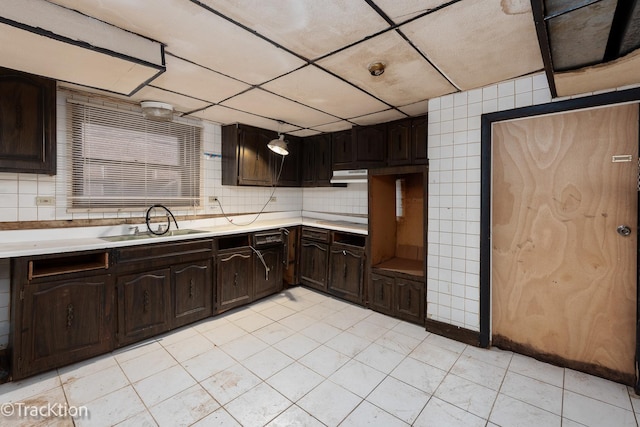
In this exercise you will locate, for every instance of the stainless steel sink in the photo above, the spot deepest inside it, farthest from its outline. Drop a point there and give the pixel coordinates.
(147, 235)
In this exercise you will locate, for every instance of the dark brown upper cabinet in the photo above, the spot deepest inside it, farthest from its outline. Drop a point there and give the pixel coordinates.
(342, 153)
(246, 159)
(407, 142)
(27, 123)
(317, 167)
(371, 146)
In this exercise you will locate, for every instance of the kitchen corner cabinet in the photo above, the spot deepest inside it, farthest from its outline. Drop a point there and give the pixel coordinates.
(246, 159)
(407, 141)
(27, 123)
(317, 170)
(62, 310)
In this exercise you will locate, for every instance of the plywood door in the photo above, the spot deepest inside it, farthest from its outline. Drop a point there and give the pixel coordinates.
(563, 279)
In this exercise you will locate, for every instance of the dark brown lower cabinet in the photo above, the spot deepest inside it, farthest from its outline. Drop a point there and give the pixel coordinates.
(268, 282)
(61, 322)
(314, 258)
(234, 274)
(192, 291)
(144, 305)
(398, 296)
(346, 265)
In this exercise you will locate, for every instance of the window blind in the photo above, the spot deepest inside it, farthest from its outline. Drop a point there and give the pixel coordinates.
(121, 160)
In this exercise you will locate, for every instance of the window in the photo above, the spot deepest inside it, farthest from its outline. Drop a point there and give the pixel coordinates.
(121, 160)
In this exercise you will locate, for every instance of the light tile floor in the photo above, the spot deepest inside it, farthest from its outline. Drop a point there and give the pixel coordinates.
(301, 358)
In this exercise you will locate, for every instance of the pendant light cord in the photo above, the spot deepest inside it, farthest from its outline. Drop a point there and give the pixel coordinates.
(230, 220)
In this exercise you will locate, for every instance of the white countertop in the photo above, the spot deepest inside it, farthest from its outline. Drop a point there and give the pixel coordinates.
(16, 243)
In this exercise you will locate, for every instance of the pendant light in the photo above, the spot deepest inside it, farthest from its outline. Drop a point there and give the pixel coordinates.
(279, 145)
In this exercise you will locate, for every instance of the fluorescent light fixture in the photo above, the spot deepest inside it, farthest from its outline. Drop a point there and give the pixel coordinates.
(158, 111)
(278, 146)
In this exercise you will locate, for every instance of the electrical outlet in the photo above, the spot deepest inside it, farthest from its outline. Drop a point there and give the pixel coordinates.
(213, 199)
(273, 199)
(45, 201)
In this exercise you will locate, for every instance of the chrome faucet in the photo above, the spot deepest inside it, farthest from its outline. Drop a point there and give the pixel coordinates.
(160, 231)
(135, 229)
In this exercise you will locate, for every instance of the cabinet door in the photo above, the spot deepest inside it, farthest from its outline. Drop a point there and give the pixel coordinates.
(399, 143)
(410, 300)
(144, 305)
(268, 282)
(63, 322)
(234, 278)
(324, 169)
(381, 289)
(345, 273)
(313, 264)
(290, 174)
(27, 123)
(342, 153)
(371, 146)
(308, 163)
(419, 140)
(253, 166)
(192, 292)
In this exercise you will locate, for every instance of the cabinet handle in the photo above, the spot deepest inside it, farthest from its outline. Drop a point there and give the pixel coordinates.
(408, 299)
(145, 301)
(69, 315)
(382, 293)
(191, 288)
(235, 279)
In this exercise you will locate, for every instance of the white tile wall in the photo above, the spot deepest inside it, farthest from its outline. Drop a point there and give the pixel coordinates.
(351, 200)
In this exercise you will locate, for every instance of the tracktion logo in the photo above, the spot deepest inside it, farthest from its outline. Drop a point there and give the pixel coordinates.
(50, 410)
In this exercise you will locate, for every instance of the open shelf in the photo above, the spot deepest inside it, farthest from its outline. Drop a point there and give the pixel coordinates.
(412, 267)
(67, 264)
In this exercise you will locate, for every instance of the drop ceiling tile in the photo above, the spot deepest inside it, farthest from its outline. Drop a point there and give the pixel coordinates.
(198, 82)
(401, 11)
(225, 116)
(379, 117)
(309, 27)
(416, 109)
(304, 132)
(479, 42)
(408, 77)
(318, 89)
(195, 33)
(267, 104)
(334, 127)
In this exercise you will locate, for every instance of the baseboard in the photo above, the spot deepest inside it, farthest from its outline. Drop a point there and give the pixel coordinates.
(457, 333)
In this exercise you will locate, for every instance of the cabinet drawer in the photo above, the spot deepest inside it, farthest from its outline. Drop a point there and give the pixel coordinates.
(316, 234)
(144, 256)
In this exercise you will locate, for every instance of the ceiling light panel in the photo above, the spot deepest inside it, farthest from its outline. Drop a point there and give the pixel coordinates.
(201, 83)
(407, 78)
(318, 89)
(479, 42)
(269, 105)
(416, 109)
(225, 116)
(181, 103)
(95, 53)
(401, 11)
(309, 27)
(196, 34)
(334, 127)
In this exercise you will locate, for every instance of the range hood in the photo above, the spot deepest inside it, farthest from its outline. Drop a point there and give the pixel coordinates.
(349, 176)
